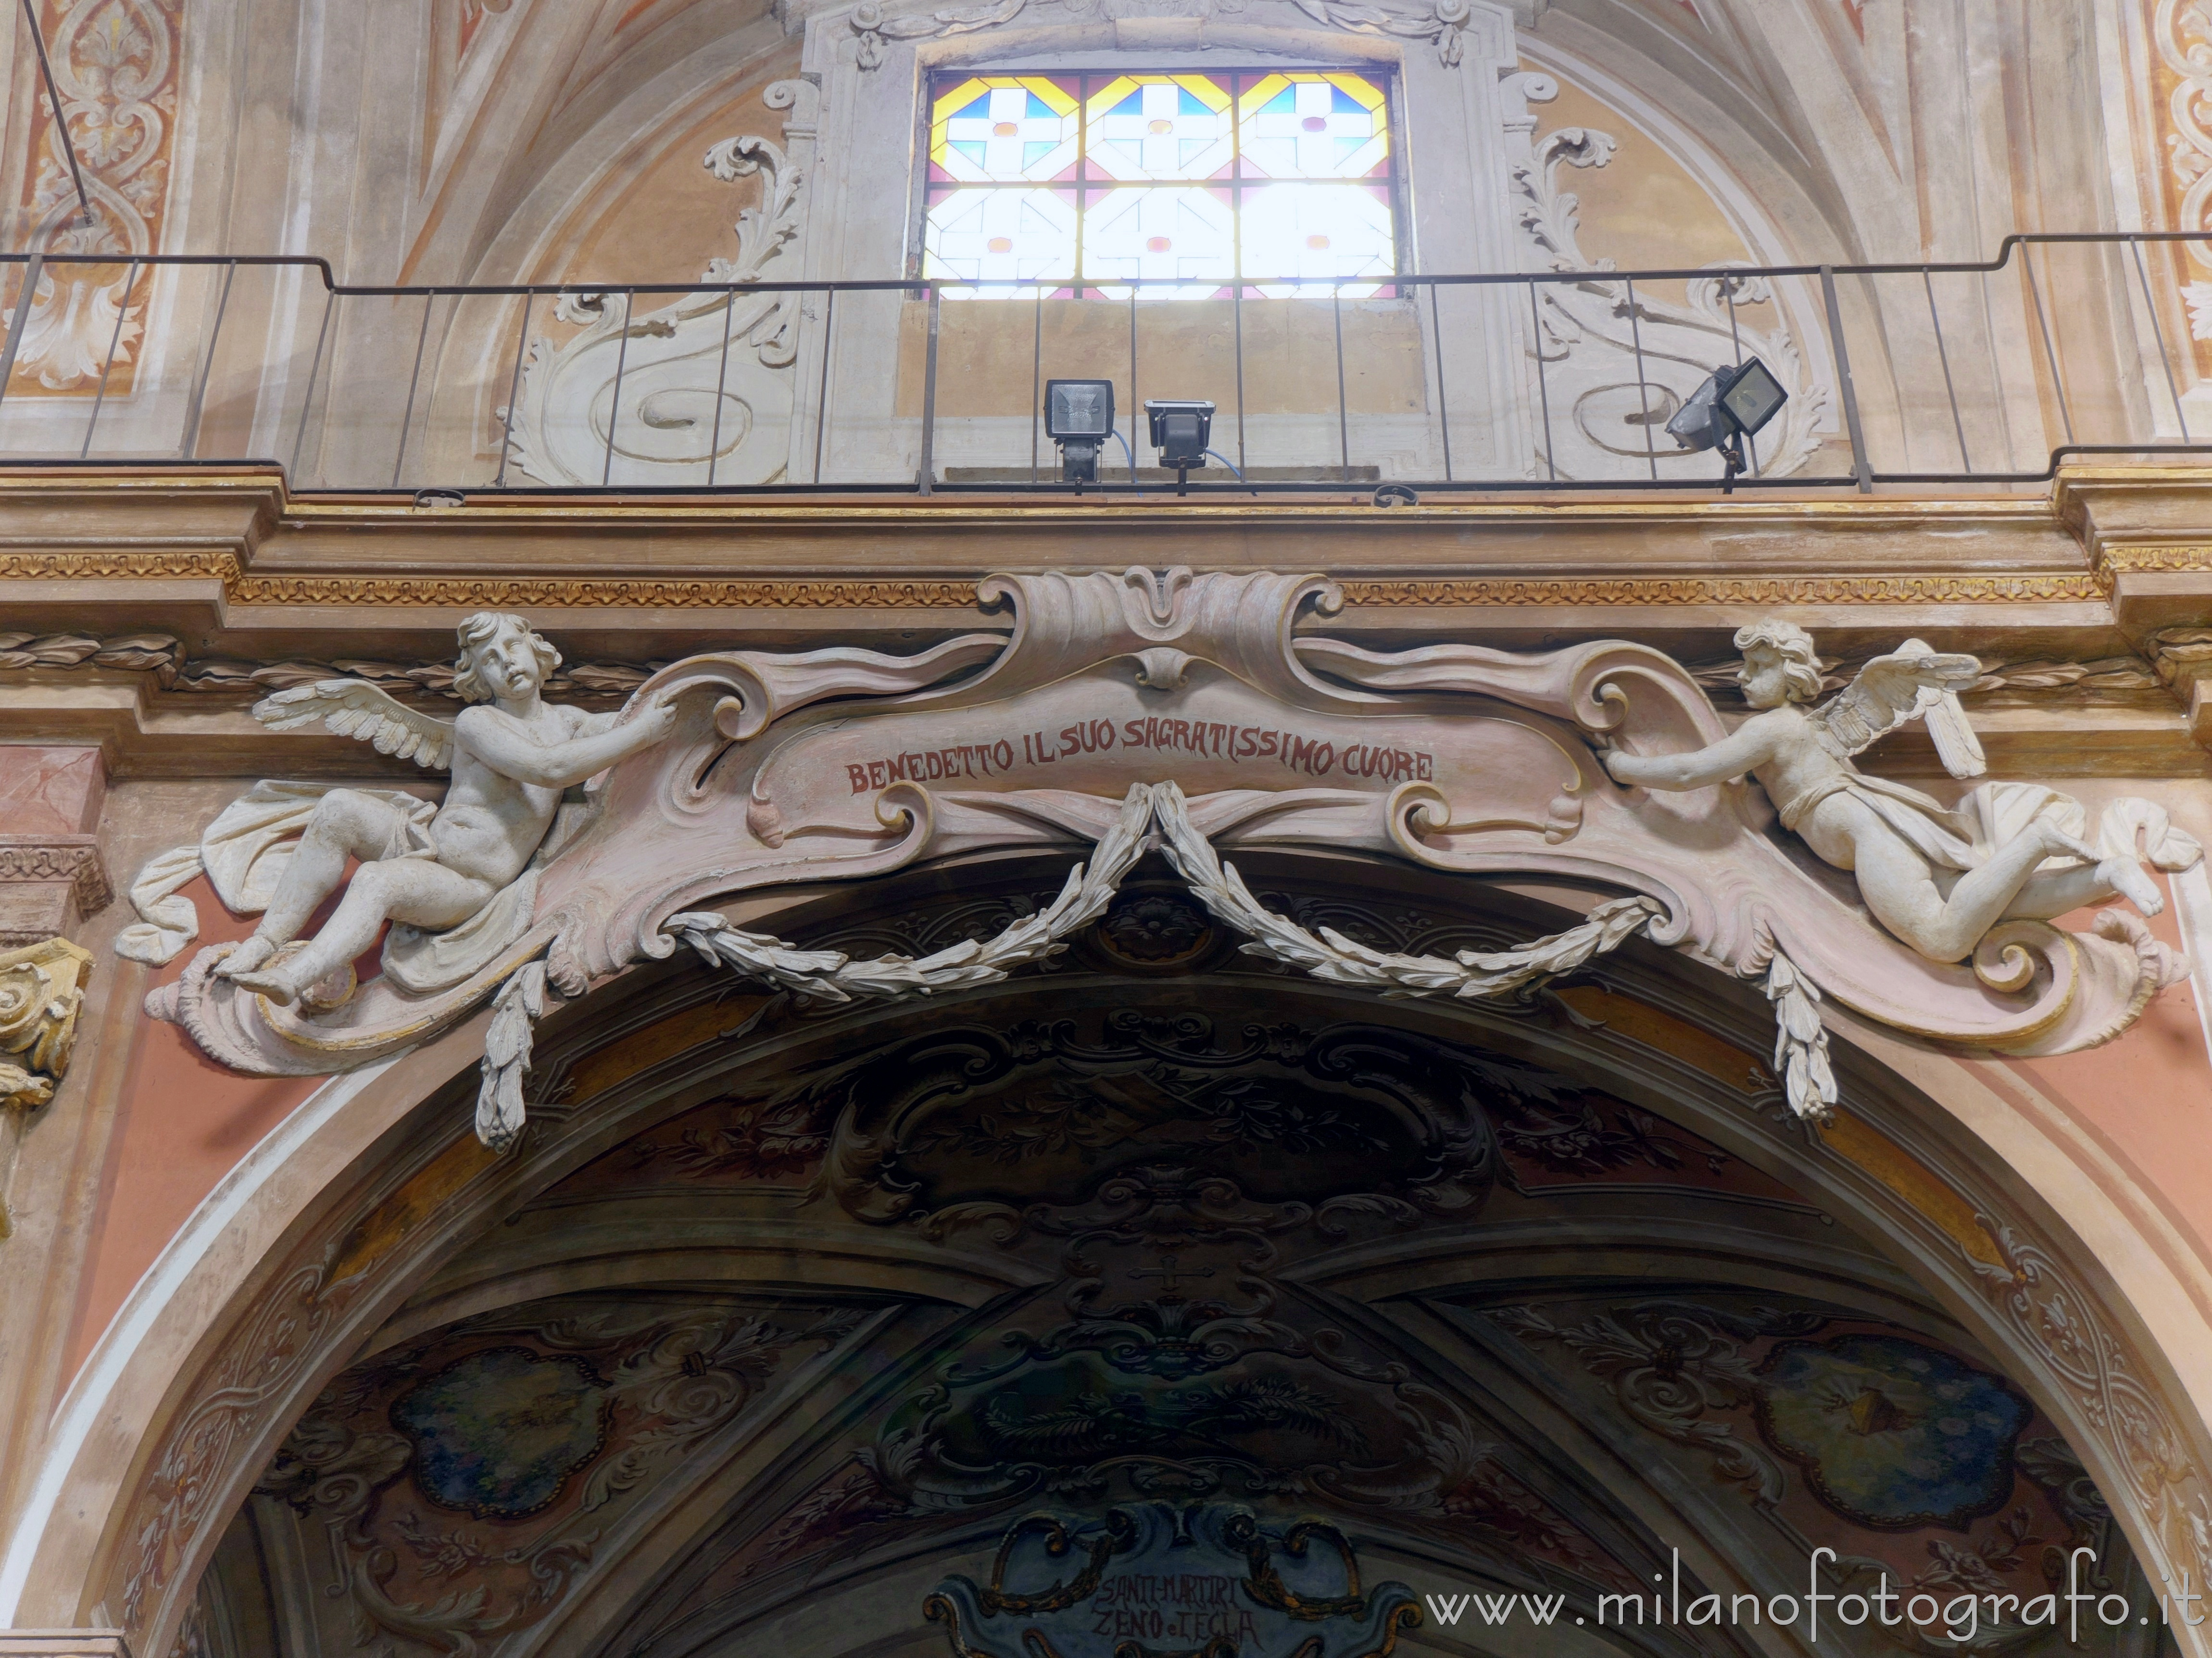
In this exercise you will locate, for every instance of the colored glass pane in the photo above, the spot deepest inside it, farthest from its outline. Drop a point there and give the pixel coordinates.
(998, 236)
(1305, 126)
(1275, 179)
(1185, 236)
(1318, 233)
(1004, 129)
(1159, 126)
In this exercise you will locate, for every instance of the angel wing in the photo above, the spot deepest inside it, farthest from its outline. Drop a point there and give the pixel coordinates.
(355, 708)
(1912, 682)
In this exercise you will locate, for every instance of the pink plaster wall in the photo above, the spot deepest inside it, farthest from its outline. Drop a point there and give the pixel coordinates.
(2146, 1100)
(182, 1123)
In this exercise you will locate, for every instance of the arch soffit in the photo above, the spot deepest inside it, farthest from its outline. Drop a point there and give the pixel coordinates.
(325, 1232)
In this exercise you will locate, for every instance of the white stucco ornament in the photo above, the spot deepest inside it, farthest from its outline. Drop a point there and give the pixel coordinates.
(1181, 710)
(1939, 877)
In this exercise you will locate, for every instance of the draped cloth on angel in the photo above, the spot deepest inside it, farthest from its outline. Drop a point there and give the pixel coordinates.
(245, 852)
(1965, 836)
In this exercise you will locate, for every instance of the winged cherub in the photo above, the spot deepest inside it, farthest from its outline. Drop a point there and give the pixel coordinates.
(511, 756)
(1938, 877)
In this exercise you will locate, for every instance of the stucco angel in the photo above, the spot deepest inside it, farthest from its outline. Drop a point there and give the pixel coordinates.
(511, 756)
(1939, 877)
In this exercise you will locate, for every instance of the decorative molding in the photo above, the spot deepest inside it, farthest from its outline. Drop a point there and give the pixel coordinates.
(159, 651)
(1659, 590)
(700, 390)
(569, 592)
(863, 592)
(2054, 1316)
(187, 564)
(2127, 560)
(1442, 23)
(41, 991)
(252, 1378)
(1621, 362)
(866, 593)
(72, 858)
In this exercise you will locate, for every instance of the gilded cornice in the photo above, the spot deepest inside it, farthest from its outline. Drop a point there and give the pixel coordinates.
(187, 564)
(859, 593)
(1728, 590)
(2123, 560)
(587, 592)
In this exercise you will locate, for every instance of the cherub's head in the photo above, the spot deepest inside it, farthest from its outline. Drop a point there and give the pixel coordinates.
(1779, 664)
(501, 657)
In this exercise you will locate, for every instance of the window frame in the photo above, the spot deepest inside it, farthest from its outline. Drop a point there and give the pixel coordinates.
(1386, 74)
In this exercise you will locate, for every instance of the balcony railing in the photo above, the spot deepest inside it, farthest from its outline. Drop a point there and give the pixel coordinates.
(1982, 375)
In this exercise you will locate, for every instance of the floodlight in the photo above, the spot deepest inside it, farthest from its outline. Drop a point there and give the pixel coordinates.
(1078, 416)
(1182, 427)
(1753, 397)
(1733, 403)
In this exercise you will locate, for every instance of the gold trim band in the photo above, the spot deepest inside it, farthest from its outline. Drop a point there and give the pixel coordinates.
(765, 593)
(776, 593)
(1730, 590)
(2122, 559)
(189, 564)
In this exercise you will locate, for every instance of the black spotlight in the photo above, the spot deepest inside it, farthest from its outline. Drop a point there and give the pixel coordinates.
(1730, 406)
(1078, 416)
(1181, 428)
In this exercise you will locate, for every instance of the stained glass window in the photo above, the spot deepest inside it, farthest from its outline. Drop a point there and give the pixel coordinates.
(1275, 183)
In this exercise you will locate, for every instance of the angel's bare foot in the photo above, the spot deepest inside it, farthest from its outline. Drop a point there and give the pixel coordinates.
(248, 957)
(276, 985)
(2132, 882)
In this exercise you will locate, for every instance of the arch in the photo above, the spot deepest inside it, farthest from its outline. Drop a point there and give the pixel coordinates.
(328, 1227)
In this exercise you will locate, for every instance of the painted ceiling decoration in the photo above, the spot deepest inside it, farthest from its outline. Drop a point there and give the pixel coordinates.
(1223, 1397)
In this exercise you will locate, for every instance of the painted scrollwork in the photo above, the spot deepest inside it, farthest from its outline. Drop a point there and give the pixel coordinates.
(429, 1546)
(116, 63)
(1670, 1367)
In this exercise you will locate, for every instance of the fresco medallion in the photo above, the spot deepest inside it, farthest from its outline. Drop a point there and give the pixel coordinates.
(1891, 1434)
(499, 1434)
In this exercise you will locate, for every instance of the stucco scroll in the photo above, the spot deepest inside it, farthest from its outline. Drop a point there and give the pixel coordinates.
(1213, 709)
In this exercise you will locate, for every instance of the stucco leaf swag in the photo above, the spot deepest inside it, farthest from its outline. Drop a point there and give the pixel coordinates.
(830, 976)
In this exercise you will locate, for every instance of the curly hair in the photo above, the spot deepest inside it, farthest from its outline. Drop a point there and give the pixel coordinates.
(1801, 665)
(478, 629)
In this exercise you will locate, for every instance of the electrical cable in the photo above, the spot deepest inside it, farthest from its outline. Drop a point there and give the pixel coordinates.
(1231, 465)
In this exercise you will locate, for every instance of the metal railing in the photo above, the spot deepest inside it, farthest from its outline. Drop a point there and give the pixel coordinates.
(1981, 375)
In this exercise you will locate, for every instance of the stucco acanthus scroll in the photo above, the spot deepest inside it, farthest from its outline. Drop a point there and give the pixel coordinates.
(699, 387)
(1184, 706)
(41, 988)
(1617, 361)
(1442, 23)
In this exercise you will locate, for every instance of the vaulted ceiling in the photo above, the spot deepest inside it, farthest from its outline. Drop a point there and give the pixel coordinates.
(813, 1304)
